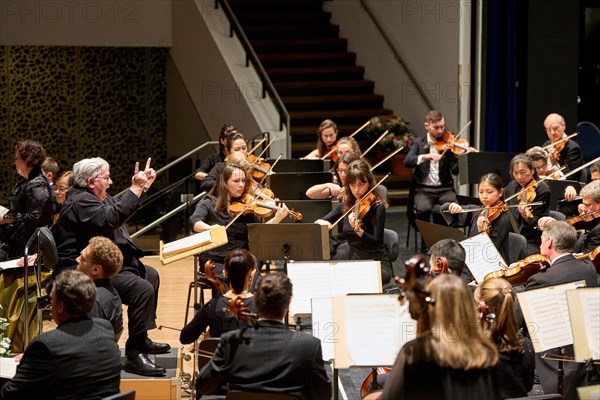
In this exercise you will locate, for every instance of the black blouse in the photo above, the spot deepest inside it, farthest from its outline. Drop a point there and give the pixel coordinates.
(528, 227)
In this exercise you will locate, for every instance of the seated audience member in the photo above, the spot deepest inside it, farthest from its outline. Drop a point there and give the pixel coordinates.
(451, 358)
(268, 357)
(454, 254)
(50, 170)
(89, 211)
(558, 239)
(240, 266)
(80, 359)
(101, 260)
(515, 368)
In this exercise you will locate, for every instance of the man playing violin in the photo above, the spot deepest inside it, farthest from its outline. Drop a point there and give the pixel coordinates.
(433, 169)
(570, 155)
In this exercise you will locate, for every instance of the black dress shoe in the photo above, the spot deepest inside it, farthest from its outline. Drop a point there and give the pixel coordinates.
(151, 347)
(141, 365)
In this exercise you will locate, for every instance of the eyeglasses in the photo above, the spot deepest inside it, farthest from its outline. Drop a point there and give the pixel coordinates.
(553, 128)
(61, 189)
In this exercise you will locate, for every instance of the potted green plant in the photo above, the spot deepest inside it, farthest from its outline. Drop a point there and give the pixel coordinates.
(399, 134)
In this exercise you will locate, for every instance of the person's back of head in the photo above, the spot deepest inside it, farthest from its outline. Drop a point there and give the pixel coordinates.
(563, 236)
(273, 295)
(73, 294)
(50, 169)
(453, 252)
(239, 263)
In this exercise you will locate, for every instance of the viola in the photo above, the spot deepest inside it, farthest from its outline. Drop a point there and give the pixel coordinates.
(449, 142)
(581, 221)
(593, 257)
(517, 273)
(248, 204)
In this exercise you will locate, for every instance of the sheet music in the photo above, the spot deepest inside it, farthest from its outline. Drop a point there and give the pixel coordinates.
(10, 264)
(355, 277)
(547, 316)
(589, 392)
(591, 309)
(482, 257)
(187, 243)
(3, 210)
(323, 326)
(376, 327)
(8, 367)
(584, 308)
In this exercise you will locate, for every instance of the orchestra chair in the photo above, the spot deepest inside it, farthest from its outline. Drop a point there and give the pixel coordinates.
(517, 247)
(208, 345)
(410, 214)
(239, 395)
(557, 215)
(588, 137)
(128, 395)
(390, 241)
(199, 284)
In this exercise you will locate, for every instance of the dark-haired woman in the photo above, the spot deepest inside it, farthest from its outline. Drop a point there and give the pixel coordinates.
(515, 369)
(364, 234)
(215, 158)
(523, 172)
(234, 142)
(490, 193)
(240, 266)
(31, 205)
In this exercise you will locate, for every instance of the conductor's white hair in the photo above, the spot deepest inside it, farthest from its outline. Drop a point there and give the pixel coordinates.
(86, 169)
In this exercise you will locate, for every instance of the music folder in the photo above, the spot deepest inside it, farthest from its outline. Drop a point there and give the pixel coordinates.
(433, 233)
(192, 245)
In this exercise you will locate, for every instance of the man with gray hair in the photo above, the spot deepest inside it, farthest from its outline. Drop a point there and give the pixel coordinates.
(570, 155)
(89, 211)
(79, 359)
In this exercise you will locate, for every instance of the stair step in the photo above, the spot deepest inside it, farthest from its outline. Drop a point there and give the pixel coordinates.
(322, 31)
(315, 73)
(299, 45)
(299, 18)
(348, 117)
(333, 102)
(276, 5)
(307, 59)
(324, 87)
(302, 132)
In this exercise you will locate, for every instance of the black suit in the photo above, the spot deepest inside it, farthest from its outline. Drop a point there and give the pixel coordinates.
(78, 360)
(267, 358)
(427, 196)
(564, 270)
(570, 156)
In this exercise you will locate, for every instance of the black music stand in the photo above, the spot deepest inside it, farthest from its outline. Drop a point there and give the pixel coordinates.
(293, 185)
(466, 200)
(297, 165)
(297, 242)
(473, 165)
(311, 210)
(433, 233)
(557, 190)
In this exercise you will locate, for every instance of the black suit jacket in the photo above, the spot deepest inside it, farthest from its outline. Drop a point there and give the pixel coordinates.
(78, 360)
(84, 216)
(564, 270)
(570, 157)
(267, 358)
(448, 163)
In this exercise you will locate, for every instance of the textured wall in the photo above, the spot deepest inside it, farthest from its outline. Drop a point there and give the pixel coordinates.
(82, 102)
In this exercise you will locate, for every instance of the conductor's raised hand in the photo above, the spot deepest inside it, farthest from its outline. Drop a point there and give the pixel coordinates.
(150, 173)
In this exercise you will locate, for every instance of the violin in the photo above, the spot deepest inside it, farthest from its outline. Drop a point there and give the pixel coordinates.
(248, 204)
(593, 257)
(449, 142)
(558, 146)
(581, 221)
(259, 168)
(517, 273)
(331, 153)
(492, 213)
(527, 196)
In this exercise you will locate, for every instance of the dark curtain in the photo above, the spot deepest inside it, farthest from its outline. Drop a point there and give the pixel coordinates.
(500, 102)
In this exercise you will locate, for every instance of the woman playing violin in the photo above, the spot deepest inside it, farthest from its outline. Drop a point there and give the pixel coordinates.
(240, 266)
(493, 221)
(364, 233)
(451, 358)
(233, 142)
(326, 140)
(212, 210)
(210, 161)
(526, 217)
(515, 369)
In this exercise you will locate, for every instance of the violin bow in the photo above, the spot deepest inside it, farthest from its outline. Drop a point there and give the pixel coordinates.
(458, 135)
(393, 153)
(375, 142)
(572, 135)
(359, 200)
(264, 150)
(261, 141)
(529, 187)
(270, 170)
(244, 209)
(334, 148)
(580, 168)
(535, 203)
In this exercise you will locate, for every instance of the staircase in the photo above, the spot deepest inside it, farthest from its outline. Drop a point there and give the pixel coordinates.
(310, 66)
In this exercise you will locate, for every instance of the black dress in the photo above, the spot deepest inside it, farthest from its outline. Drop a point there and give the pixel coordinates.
(370, 246)
(515, 370)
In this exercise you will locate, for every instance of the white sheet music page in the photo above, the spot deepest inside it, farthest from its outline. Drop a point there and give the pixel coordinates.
(187, 243)
(355, 277)
(310, 281)
(377, 326)
(3, 210)
(482, 257)
(547, 316)
(10, 264)
(584, 307)
(591, 307)
(323, 326)
(8, 367)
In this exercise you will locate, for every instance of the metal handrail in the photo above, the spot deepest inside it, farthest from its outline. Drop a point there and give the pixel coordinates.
(168, 215)
(235, 27)
(397, 54)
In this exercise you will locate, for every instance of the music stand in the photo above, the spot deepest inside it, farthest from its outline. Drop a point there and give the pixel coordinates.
(293, 185)
(466, 200)
(298, 242)
(311, 210)
(473, 165)
(297, 165)
(557, 190)
(433, 233)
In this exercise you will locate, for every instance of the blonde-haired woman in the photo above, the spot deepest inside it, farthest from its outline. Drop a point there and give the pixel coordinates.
(451, 358)
(515, 368)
